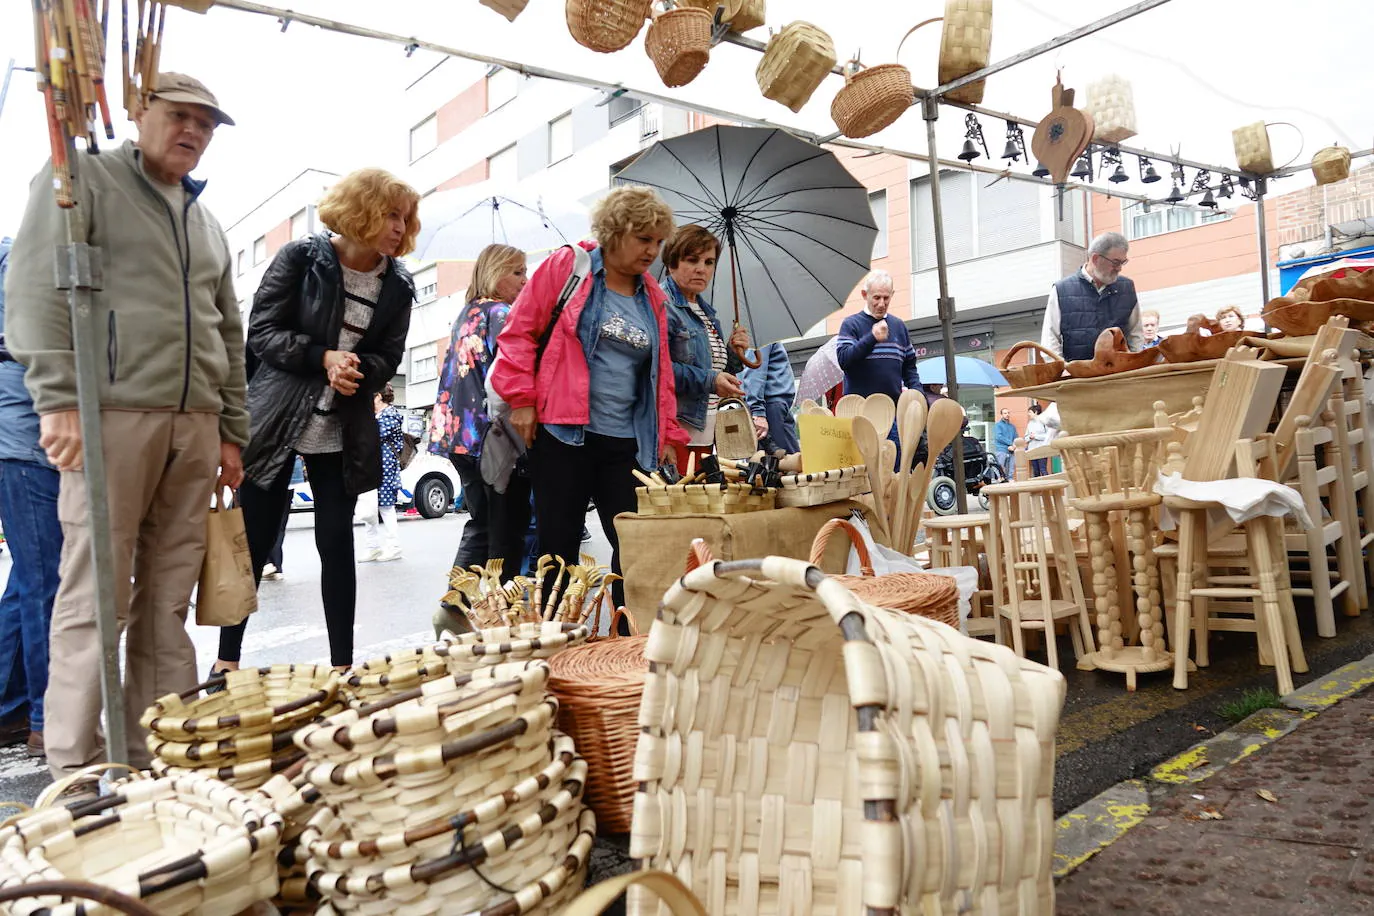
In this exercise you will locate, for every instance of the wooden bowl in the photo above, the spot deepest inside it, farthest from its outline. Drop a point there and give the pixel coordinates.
(1296, 318)
(1111, 356)
(1188, 348)
(1031, 374)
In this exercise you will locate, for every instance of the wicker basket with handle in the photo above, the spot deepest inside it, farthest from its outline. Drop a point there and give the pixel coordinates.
(605, 25)
(743, 15)
(872, 98)
(806, 752)
(794, 63)
(679, 44)
(931, 596)
(1042, 373)
(965, 46)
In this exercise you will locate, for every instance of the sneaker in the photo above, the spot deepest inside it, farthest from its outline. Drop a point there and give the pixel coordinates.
(386, 556)
(370, 556)
(35, 746)
(275, 575)
(269, 571)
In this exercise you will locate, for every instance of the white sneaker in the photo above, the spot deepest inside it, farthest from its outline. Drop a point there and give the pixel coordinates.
(275, 575)
(391, 553)
(370, 556)
(268, 571)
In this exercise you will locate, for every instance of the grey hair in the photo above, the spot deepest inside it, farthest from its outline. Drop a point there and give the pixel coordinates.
(877, 278)
(1106, 242)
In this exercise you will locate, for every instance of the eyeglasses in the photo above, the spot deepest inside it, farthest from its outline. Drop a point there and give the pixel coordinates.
(1114, 262)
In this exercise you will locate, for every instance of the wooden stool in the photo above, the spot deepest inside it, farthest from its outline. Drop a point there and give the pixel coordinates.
(1114, 473)
(1035, 581)
(961, 540)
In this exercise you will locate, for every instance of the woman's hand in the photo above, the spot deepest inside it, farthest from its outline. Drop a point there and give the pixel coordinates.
(727, 386)
(669, 455)
(760, 427)
(341, 368)
(739, 338)
(524, 423)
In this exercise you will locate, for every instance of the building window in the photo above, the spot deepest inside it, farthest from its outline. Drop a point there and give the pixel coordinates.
(239, 263)
(260, 250)
(979, 221)
(426, 285)
(622, 107)
(560, 138)
(877, 202)
(424, 137)
(1161, 218)
(423, 368)
(502, 85)
(502, 166)
(300, 224)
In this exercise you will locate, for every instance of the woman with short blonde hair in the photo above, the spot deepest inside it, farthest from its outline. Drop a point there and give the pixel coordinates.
(1229, 318)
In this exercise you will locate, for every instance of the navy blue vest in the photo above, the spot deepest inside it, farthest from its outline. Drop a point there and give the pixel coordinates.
(1084, 313)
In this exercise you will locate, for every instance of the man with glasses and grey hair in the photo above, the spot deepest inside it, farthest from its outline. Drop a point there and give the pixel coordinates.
(1092, 300)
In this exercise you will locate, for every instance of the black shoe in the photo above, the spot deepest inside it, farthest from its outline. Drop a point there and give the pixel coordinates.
(14, 730)
(214, 681)
(586, 535)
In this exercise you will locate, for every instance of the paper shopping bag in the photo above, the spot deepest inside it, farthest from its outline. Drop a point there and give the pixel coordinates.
(226, 594)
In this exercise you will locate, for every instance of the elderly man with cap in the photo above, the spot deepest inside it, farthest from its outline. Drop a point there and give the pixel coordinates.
(172, 390)
(1097, 297)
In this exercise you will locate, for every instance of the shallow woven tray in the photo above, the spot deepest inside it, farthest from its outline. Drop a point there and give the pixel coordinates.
(254, 701)
(823, 486)
(704, 499)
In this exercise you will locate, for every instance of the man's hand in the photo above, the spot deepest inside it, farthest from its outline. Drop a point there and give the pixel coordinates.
(727, 386)
(59, 434)
(760, 427)
(230, 466)
(341, 367)
(524, 423)
(880, 331)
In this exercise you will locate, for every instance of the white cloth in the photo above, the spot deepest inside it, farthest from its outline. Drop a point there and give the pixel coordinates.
(1240, 498)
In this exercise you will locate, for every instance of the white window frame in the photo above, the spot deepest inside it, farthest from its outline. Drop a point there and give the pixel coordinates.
(424, 137)
(878, 200)
(259, 250)
(497, 168)
(560, 138)
(426, 285)
(423, 368)
(239, 262)
(300, 223)
(503, 85)
(1168, 218)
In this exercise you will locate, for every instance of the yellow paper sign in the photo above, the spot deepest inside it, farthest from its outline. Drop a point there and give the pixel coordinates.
(827, 443)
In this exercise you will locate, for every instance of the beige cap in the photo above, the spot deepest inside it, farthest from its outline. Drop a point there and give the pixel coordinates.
(178, 87)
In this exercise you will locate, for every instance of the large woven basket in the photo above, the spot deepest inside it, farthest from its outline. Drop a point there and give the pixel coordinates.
(499, 645)
(965, 46)
(254, 701)
(806, 752)
(872, 99)
(931, 596)
(823, 486)
(743, 15)
(605, 25)
(794, 63)
(399, 672)
(704, 499)
(508, 8)
(184, 844)
(679, 44)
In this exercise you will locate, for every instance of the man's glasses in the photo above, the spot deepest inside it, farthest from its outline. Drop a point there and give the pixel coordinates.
(1114, 262)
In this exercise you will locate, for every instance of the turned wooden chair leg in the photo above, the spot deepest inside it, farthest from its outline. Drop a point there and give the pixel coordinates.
(1260, 542)
(1183, 598)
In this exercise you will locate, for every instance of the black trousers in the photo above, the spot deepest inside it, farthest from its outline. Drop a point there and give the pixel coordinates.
(275, 557)
(263, 509)
(496, 521)
(565, 477)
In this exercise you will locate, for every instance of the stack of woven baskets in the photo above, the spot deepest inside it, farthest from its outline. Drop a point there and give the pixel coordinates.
(240, 734)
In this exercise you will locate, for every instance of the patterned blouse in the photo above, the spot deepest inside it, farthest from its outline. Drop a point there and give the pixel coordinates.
(460, 412)
(323, 433)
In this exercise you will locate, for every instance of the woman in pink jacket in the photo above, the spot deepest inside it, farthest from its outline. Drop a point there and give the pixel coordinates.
(591, 391)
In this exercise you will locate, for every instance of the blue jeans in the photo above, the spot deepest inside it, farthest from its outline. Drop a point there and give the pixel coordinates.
(28, 510)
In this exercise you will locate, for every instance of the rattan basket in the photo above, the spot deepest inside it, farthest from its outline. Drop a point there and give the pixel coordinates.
(743, 15)
(183, 844)
(508, 8)
(965, 46)
(679, 44)
(1047, 370)
(606, 25)
(381, 678)
(704, 499)
(823, 486)
(499, 645)
(1331, 164)
(254, 701)
(931, 596)
(794, 63)
(806, 752)
(872, 99)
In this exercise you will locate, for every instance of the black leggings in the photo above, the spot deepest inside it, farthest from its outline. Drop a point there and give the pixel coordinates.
(497, 522)
(263, 510)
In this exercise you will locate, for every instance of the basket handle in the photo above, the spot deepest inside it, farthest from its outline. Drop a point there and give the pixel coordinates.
(699, 554)
(909, 33)
(1024, 345)
(49, 795)
(822, 540)
(595, 899)
(629, 618)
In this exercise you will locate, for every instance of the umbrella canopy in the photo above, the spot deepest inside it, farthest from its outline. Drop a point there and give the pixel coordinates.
(456, 225)
(795, 227)
(822, 373)
(968, 372)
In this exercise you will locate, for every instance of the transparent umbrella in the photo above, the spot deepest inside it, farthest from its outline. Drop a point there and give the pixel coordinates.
(456, 225)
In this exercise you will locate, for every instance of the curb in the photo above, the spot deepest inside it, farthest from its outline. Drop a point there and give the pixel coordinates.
(1104, 819)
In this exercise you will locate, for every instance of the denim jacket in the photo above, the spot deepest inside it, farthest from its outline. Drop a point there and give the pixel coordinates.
(773, 379)
(690, 347)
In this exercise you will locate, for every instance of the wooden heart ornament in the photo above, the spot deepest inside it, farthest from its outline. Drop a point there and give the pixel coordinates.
(1063, 135)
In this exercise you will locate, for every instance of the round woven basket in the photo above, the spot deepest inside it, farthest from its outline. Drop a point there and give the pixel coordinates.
(605, 25)
(930, 596)
(253, 701)
(599, 687)
(679, 44)
(872, 99)
(242, 775)
(498, 645)
(381, 678)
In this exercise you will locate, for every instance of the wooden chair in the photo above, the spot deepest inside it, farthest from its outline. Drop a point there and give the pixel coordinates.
(1035, 582)
(1347, 409)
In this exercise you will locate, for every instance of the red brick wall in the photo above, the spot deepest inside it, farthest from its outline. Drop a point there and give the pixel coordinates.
(461, 112)
(1305, 214)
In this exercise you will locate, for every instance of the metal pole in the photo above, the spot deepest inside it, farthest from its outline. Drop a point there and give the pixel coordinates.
(930, 110)
(1261, 232)
(78, 271)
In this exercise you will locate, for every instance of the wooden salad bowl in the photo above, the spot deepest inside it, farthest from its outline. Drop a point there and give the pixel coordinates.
(1110, 356)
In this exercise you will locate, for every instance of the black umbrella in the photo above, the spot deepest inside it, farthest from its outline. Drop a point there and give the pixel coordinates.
(796, 227)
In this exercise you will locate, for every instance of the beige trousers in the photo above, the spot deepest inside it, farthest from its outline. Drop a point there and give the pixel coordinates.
(161, 468)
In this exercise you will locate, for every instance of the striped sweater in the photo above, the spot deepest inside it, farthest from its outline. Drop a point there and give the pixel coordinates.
(871, 367)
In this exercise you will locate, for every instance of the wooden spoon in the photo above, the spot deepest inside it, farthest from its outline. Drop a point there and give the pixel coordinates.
(880, 412)
(887, 471)
(946, 419)
(911, 424)
(866, 438)
(851, 405)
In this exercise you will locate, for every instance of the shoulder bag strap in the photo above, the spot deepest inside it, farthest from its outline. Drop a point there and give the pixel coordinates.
(582, 266)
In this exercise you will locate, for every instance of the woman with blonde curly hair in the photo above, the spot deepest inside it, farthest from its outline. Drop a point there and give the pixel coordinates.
(590, 384)
(1229, 318)
(327, 331)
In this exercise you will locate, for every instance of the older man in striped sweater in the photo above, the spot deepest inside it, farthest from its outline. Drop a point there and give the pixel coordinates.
(874, 348)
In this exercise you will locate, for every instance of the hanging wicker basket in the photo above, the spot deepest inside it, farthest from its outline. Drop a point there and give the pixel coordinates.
(872, 98)
(930, 596)
(1331, 164)
(679, 44)
(606, 25)
(965, 46)
(508, 8)
(743, 15)
(794, 63)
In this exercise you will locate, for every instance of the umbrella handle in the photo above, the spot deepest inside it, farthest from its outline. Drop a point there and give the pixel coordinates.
(743, 352)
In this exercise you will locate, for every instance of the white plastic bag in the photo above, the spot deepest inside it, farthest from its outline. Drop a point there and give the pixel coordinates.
(886, 561)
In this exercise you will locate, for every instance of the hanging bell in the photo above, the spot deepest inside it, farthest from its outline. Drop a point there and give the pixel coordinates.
(969, 152)
(1040, 171)
(1119, 175)
(1011, 152)
(1175, 195)
(1083, 168)
(1208, 200)
(1226, 189)
(1150, 176)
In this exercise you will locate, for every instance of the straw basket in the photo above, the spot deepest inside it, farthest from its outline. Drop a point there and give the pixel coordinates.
(1042, 373)
(292, 796)
(606, 25)
(931, 596)
(254, 701)
(794, 63)
(823, 487)
(965, 46)
(508, 8)
(391, 675)
(743, 15)
(184, 844)
(806, 752)
(1253, 153)
(499, 645)
(704, 499)
(679, 44)
(1331, 164)
(872, 98)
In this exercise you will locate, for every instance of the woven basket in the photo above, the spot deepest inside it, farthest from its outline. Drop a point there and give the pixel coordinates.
(382, 678)
(598, 687)
(743, 15)
(254, 701)
(243, 775)
(927, 595)
(703, 499)
(184, 844)
(679, 44)
(794, 63)
(499, 645)
(292, 796)
(872, 98)
(823, 487)
(1331, 164)
(1253, 153)
(965, 46)
(606, 25)
(806, 752)
(508, 8)
(1050, 368)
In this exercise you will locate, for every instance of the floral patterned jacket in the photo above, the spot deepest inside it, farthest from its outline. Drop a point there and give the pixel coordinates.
(460, 409)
